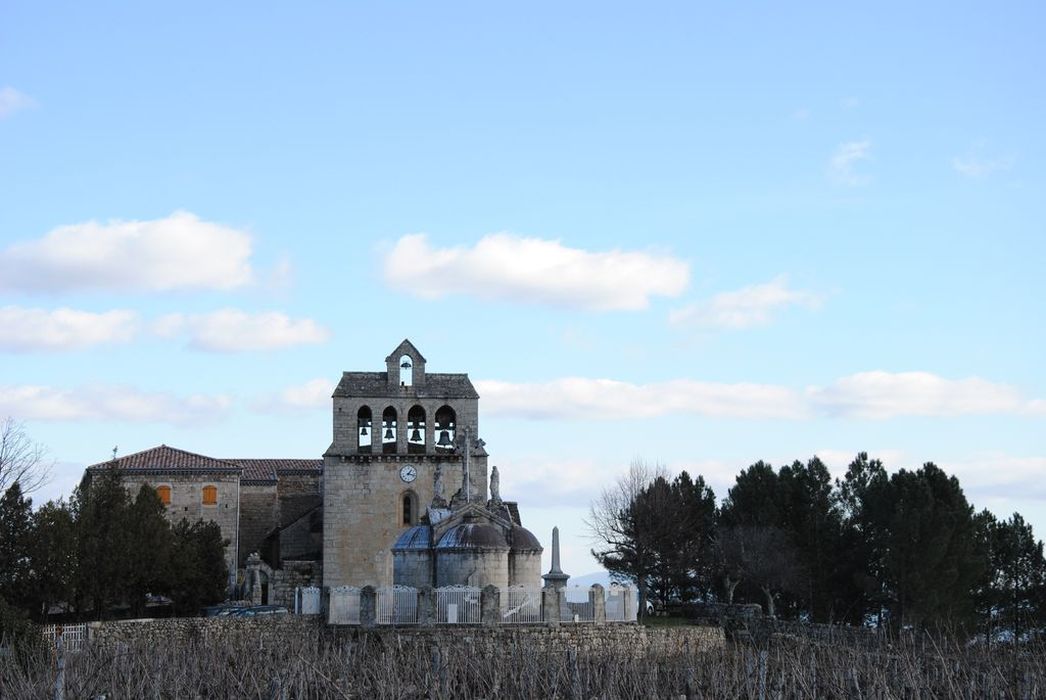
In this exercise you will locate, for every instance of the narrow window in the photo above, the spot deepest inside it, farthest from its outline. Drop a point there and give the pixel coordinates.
(388, 431)
(406, 371)
(210, 495)
(445, 422)
(363, 429)
(164, 492)
(416, 430)
(408, 509)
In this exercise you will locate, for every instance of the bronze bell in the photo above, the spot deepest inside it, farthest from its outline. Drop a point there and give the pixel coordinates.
(406, 364)
(363, 431)
(388, 434)
(415, 436)
(444, 439)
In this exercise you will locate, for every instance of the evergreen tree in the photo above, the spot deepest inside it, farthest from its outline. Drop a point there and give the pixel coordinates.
(696, 561)
(15, 546)
(104, 562)
(54, 556)
(149, 547)
(812, 518)
(199, 574)
(1017, 576)
(865, 498)
(933, 560)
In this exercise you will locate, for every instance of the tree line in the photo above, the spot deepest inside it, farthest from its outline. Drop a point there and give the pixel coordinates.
(899, 550)
(103, 552)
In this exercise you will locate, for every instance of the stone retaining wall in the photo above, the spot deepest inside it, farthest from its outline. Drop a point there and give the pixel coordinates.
(309, 629)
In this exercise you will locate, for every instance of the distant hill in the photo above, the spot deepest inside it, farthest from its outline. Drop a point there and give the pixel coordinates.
(600, 577)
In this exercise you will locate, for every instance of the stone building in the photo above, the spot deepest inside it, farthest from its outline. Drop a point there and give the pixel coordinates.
(362, 514)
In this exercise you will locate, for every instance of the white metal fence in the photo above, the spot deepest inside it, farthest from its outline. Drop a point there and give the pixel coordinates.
(307, 600)
(521, 604)
(397, 605)
(344, 606)
(577, 606)
(74, 637)
(622, 603)
(457, 605)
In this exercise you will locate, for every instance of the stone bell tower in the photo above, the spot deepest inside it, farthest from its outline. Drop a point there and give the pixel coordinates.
(392, 430)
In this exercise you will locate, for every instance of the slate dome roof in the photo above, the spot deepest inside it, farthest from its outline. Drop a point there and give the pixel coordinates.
(522, 539)
(418, 537)
(473, 535)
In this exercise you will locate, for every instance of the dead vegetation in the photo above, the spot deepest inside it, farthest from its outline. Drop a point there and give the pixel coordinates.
(398, 666)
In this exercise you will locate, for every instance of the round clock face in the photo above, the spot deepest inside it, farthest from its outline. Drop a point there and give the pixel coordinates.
(408, 473)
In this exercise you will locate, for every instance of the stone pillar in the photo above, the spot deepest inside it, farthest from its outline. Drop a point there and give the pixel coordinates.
(368, 606)
(550, 606)
(598, 597)
(490, 606)
(426, 606)
(325, 604)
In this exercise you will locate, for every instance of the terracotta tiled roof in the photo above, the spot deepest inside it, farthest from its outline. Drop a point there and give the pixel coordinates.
(278, 466)
(165, 460)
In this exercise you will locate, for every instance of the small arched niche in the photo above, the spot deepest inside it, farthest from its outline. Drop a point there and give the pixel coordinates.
(446, 420)
(416, 430)
(364, 429)
(406, 370)
(388, 431)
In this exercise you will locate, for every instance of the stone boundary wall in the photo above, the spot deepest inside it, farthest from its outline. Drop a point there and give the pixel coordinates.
(311, 630)
(204, 629)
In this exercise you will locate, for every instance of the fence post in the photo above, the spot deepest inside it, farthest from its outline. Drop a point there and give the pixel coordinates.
(368, 606)
(325, 603)
(550, 606)
(598, 597)
(59, 680)
(490, 606)
(426, 606)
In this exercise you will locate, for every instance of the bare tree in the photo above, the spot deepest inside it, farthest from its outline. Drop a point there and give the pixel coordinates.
(627, 533)
(21, 459)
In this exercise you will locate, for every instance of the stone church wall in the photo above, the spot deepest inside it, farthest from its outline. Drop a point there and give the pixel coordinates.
(260, 513)
(187, 502)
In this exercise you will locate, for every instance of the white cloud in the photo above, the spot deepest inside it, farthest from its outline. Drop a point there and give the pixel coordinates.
(751, 306)
(606, 399)
(109, 402)
(232, 330)
(843, 163)
(504, 266)
(12, 101)
(177, 252)
(881, 395)
(27, 330)
(973, 166)
(864, 396)
(313, 394)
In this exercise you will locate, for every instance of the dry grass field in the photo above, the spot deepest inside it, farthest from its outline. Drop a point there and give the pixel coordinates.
(375, 667)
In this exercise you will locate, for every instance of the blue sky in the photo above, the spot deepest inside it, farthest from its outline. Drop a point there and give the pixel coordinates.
(691, 234)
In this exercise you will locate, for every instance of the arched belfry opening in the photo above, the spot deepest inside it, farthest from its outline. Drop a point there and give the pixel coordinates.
(406, 370)
(446, 421)
(388, 431)
(416, 430)
(405, 366)
(364, 429)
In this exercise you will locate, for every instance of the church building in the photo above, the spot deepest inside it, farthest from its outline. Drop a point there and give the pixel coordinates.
(400, 496)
